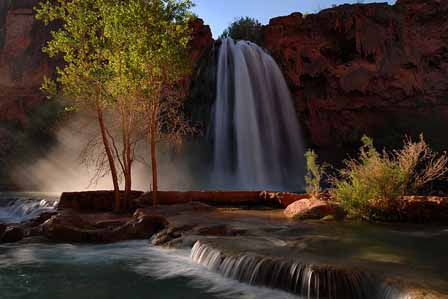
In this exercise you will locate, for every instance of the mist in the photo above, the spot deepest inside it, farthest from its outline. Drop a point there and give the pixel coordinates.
(62, 168)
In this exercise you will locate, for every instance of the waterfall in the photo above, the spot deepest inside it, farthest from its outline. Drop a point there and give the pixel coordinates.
(307, 281)
(19, 210)
(257, 139)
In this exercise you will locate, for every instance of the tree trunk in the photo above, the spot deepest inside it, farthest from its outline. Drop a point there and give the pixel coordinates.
(155, 185)
(110, 158)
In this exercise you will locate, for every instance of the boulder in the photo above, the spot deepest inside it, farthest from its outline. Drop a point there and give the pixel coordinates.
(70, 226)
(142, 227)
(12, 234)
(313, 208)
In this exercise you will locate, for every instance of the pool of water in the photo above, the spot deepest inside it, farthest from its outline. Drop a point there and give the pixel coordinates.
(36, 268)
(124, 270)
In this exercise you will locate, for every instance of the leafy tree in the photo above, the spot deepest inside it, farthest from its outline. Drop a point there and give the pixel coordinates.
(124, 59)
(244, 28)
(154, 37)
(81, 43)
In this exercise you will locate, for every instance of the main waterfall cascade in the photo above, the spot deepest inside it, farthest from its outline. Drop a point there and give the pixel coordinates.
(257, 139)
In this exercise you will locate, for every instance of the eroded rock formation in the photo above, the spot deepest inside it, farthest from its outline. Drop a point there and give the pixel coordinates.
(366, 69)
(22, 63)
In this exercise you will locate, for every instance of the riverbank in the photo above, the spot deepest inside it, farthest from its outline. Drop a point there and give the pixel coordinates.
(267, 248)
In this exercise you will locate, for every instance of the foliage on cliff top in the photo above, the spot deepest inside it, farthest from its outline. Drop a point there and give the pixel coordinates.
(244, 28)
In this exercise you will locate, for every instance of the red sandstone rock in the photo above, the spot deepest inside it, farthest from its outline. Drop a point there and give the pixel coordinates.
(424, 209)
(22, 63)
(313, 208)
(361, 69)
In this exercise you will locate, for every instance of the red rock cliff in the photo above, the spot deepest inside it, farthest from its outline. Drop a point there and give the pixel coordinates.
(22, 64)
(373, 68)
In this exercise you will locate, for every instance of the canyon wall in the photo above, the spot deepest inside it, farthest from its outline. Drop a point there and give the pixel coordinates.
(22, 63)
(367, 69)
(354, 69)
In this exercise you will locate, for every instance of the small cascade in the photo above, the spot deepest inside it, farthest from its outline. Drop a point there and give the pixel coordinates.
(20, 210)
(307, 281)
(257, 138)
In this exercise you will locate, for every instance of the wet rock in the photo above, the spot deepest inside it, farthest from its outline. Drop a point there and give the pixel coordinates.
(313, 208)
(69, 226)
(142, 227)
(12, 234)
(171, 235)
(423, 209)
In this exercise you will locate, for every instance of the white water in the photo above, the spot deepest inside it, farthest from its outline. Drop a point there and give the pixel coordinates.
(20, 207)
(305, 280)
(257, 139)
(121, 270)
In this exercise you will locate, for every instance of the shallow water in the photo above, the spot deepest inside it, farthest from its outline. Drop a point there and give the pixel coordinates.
(37, 269)
(124, 270)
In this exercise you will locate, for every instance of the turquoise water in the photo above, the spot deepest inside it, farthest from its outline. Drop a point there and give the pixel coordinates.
(124, 270)
(35, 268)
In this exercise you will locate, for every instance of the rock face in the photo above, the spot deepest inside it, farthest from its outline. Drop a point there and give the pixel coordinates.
(366, 69)
(22, 63)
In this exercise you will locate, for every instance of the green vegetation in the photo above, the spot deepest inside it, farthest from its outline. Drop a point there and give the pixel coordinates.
(244, 28)
(315, 173)
(372, 185)
(123, 62)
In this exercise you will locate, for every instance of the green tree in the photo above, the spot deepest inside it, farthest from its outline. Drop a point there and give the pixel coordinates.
(129, 58)
(86, 72)
(244, 28)
(154, 40)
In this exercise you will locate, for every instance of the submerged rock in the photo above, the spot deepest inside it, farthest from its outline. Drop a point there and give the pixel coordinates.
(313, 208)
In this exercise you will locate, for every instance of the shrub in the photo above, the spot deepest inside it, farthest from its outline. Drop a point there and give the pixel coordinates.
(315, 173)
(372, 185)
(244, 28)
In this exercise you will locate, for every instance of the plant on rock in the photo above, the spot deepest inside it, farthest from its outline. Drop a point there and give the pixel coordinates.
(315, 174)
(372, 185)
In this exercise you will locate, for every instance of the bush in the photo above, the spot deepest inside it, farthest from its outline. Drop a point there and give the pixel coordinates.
(372, 185)
(315, 173)
(244, 29)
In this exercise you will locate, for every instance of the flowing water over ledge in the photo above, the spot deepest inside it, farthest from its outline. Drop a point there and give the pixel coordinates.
(16, 207)
(123, 270)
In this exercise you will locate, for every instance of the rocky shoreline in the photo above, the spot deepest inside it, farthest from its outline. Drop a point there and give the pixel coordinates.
(248, 228)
